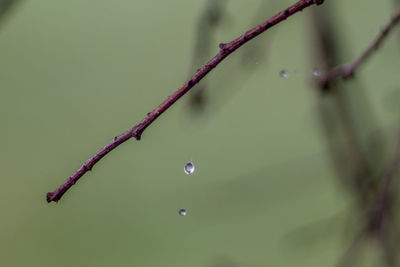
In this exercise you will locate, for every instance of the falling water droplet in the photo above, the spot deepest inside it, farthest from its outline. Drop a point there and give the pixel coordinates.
(182, 212)
(283, 74)
(316, 72)
(189, 168)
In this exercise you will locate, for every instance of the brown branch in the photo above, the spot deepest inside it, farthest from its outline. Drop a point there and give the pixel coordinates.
(137, 130)
(347, 71)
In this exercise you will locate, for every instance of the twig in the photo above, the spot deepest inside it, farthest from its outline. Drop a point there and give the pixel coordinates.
(137, 130)
(348, 255)
(383, 196)
(379, 209)
(347, 71)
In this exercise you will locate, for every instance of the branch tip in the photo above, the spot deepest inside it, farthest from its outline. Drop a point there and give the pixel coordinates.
(49, 197)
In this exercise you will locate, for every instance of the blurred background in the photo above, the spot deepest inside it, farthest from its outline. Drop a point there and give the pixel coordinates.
(287, 174)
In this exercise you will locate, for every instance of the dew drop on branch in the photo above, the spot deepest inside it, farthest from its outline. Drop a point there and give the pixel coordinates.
(182, 212)
(316, 72)
(189, 168)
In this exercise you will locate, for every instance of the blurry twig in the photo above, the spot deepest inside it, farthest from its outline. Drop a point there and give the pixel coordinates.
(383, 198)
(207, 25)
(338, 120)
(5, 6)
(347, 71)
(256, 51)
(380, 210)
(379, 222)
(233, 76)
(136, 131)
(348, 257)
(355, 160)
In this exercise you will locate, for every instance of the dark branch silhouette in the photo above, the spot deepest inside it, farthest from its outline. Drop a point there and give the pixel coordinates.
(349, 70)
(384, 197)
(208, 22)
(6, 7)
(380, 214)
(136, 131)
(359, 162)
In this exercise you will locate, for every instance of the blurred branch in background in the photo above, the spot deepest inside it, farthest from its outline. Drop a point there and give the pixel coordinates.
(336, 116)
(381, 221)
(347, 71)
(5, 7)
(396, 5)
(207, 24)
(234, 75)
(257, 51)
(347, 121)
(382, 216)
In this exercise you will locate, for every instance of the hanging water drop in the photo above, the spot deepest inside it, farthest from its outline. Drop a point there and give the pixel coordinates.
(189, 168)
(182, 212)
(283, 74)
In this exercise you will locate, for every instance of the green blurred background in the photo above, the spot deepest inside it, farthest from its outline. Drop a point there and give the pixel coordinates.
(74, 74)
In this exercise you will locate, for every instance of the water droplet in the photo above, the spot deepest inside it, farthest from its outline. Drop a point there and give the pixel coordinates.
(283, 74)
(316, 72)
(189, 168)
(182, 212)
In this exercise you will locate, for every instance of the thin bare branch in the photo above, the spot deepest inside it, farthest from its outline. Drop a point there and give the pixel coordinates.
(136, 131)
(347, 71)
